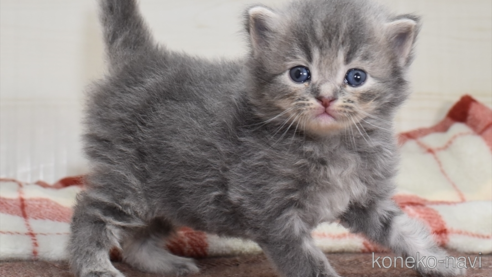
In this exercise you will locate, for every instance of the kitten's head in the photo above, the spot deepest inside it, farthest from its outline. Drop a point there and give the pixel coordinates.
(323, 65)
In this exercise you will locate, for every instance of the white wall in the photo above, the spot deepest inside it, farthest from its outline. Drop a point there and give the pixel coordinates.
(51, 49)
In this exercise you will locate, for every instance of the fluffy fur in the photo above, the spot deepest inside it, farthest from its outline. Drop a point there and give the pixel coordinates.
(239, 149)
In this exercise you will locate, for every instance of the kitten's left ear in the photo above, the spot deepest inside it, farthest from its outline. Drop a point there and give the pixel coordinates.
(401, 35)
(261, 23)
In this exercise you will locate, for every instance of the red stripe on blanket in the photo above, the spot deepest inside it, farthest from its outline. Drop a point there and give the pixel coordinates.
(469, 234)
(37, 234)
(10, 206)
(189, 243)
(440, 127)
(441, 168)
(433, 220)
(28, 225)
(9, 180)
(487, 136)
(467, 110)
(63, 183)
(37, 208)
(447, 144)
(406, 199)
(452, 140)
(369, 246)
(480, 119)
(486, 128)
(416, 207)
(459, 112)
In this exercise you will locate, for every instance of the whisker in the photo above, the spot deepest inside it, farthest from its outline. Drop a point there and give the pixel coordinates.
(363, 112)
(285, 122)
(303, 121)
(364, 131)
(273, 118)
(286, 130)
(351, 118)
(354, 144)
(371, 116)
(297, 125)
(377, 126)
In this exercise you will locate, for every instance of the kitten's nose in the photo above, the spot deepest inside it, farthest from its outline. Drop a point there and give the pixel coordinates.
(325, 101)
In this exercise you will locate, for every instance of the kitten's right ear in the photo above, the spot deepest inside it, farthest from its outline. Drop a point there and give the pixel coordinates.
(401, 34)
(261, 23)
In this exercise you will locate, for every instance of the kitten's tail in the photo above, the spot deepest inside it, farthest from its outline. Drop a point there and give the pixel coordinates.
(125, 32)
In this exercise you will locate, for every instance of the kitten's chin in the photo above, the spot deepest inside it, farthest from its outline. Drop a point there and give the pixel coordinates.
(325, 119)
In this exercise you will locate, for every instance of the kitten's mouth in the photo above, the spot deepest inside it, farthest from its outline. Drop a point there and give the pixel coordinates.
(324, 115)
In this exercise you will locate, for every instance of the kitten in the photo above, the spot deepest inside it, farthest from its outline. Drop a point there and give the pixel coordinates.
(265, 148)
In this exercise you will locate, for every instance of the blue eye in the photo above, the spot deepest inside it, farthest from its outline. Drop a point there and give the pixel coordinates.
(355, 77)
(300, 74)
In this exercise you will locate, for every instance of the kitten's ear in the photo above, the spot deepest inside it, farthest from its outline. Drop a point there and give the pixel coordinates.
(261, 23)
(401, 35)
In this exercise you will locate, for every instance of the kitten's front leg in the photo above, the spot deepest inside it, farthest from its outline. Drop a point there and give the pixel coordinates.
(292, 250)
(384, 223)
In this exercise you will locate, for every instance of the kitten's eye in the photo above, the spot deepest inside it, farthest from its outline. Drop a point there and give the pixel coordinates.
(300, 74)
(355, 77)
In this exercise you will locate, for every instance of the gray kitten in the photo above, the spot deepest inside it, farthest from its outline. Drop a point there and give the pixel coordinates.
(264, 148)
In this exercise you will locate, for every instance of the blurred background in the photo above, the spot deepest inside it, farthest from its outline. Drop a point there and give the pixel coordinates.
(50, 51)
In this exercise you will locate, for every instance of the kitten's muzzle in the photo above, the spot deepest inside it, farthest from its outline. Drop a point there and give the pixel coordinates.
(325, 110)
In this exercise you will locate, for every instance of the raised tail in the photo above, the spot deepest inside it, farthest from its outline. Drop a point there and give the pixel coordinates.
(125, 32)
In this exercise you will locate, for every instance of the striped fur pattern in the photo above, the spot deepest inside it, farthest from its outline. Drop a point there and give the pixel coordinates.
(236, 148)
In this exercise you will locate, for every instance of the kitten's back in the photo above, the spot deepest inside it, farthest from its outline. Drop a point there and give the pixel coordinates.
(152, 96)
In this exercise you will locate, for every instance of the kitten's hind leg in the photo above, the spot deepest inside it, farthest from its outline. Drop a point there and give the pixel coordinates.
(385, 223)
(144, 250)
(96, 227)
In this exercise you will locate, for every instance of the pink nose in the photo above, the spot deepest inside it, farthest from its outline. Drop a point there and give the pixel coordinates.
(325, 101)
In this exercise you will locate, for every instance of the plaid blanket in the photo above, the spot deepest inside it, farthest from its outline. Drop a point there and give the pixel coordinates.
(445, 180)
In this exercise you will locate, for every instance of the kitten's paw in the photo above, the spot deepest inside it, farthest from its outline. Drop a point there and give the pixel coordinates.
(184, 266)
(103, 274)
(161, 262)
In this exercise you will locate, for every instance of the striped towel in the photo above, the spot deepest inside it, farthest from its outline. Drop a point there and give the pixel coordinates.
(445, 180)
